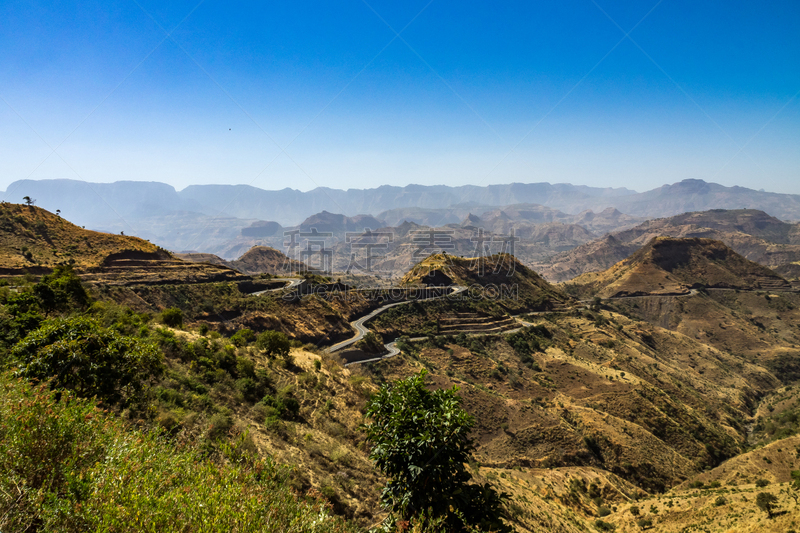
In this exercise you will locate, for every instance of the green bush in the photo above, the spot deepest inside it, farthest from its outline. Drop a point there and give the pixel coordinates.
(68, 467)
(274, 343)
(766, 502)
(77, 354)
(243, 337)
(283, 406)
(603, 526)
(172, 317)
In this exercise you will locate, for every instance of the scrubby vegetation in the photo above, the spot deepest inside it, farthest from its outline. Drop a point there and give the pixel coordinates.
(69, 466)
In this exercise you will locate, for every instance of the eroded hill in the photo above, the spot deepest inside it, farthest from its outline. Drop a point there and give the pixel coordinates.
(673, 266)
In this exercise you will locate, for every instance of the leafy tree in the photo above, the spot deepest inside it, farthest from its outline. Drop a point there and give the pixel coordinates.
(78, 354)
(28, 200)
(274, 343)
(420, 441)
(634, 510)
(644, 523)
(766, 502)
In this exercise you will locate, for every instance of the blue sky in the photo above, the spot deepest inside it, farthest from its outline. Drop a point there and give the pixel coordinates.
(305, 94)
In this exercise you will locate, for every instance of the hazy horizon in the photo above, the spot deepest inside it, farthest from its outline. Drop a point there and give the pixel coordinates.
(364, 94)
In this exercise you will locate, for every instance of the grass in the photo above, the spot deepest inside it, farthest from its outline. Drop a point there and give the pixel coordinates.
(68, 466)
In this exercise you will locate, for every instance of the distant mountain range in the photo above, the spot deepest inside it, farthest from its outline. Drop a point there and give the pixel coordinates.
(202, 217)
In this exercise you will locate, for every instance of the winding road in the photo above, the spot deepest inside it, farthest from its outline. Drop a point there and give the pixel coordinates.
(361, 330)
(290, 284)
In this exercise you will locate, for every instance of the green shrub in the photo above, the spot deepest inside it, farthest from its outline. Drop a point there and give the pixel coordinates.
(219, 425)
(172, 317)
(283, 405)
(603, 526)
(243, 337)
(249, 388)
(370, 343)
(77, 354)
(603, 511)
(274, 343)
(761, 483)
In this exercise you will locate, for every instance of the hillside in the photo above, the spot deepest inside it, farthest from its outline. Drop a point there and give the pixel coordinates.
(751, 233)
(257, 260)
(485, 274)
(790, 271)
(594, 409)
(673, 266)
(203, 258)
(32, 238)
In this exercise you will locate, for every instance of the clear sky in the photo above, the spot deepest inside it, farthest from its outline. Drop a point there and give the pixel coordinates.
(310, 93)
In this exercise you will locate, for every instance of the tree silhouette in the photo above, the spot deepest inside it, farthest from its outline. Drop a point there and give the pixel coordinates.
(766, 502)
(28, 200)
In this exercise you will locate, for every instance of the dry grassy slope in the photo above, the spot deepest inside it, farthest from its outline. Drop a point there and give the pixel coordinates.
(668, 266)
(731, 506)
(225, 308)
(698, 510)
(632, 407)
(51, 240)
(203, 258)
(494, 270)
(266, 260)
(762, 327)
(686, 401)
(774, 462)
(324, 443)
(657, 405)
